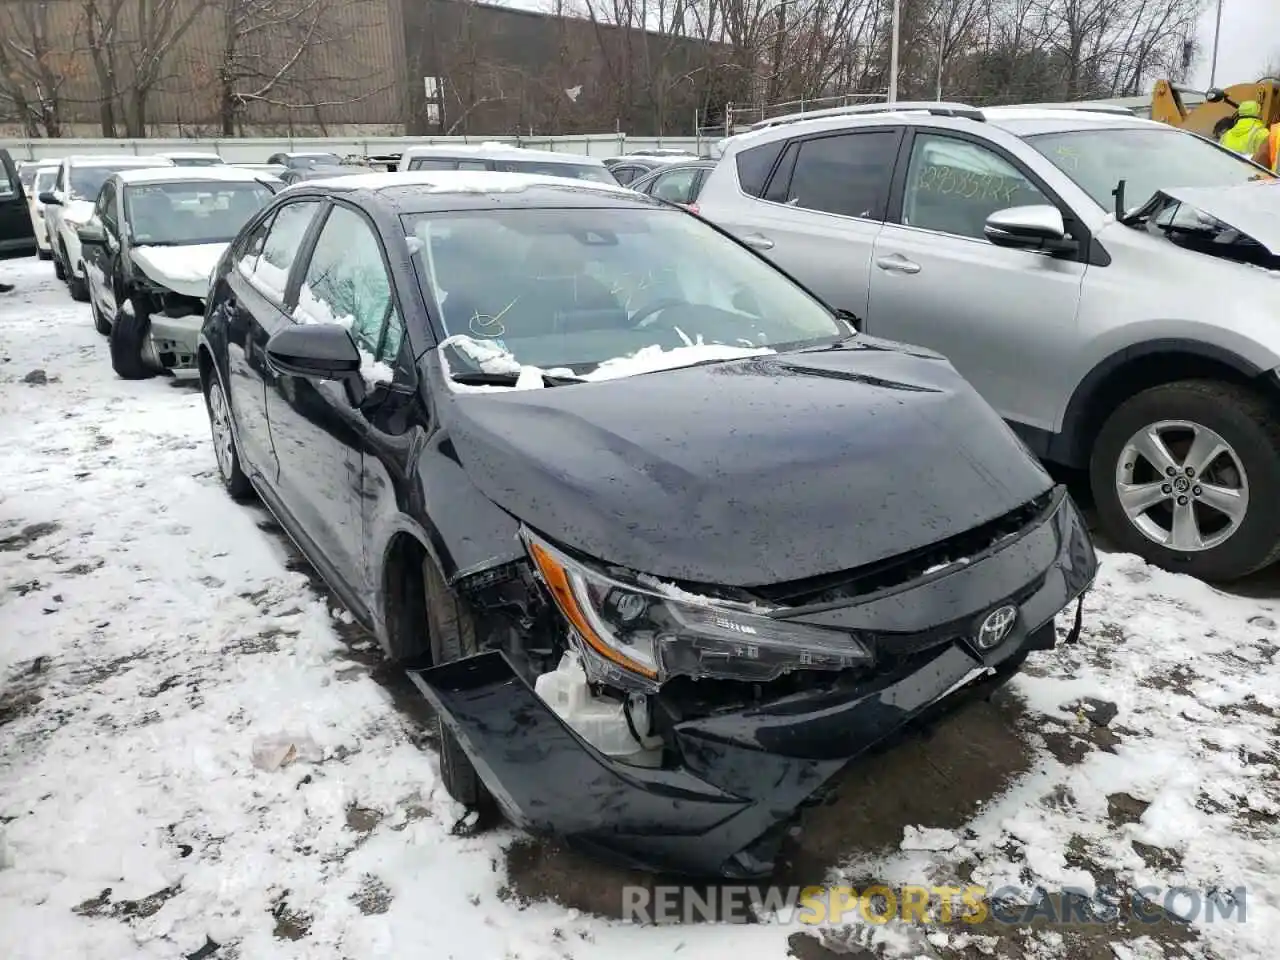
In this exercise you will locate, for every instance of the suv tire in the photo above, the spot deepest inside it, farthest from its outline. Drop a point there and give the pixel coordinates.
(1249, 427)
(452, 632)
(128, 335)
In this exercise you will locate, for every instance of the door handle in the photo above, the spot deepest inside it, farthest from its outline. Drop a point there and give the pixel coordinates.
(898, 263)
(759, 241)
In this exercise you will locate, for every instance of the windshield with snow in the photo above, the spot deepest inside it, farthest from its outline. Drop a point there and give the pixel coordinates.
(1147, 160)
(569, 289)
(167, 214)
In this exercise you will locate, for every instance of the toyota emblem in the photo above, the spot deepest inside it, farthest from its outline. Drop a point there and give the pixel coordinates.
(996, 627)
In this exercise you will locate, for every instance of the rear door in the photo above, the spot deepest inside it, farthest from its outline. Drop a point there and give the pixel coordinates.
(1004, 317)
(820, 213)
(17, 239)
(254, 301)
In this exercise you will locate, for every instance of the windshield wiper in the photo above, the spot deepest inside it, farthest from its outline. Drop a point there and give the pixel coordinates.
(508, 379)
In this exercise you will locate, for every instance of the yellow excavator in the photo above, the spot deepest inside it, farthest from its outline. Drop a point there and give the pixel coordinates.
(1215, 114)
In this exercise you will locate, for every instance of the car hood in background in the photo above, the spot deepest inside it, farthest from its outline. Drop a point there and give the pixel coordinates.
(1251, 208)
(749, 472)
(183, 269)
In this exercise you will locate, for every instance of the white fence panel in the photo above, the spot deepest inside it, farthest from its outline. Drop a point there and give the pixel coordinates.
(256, 150)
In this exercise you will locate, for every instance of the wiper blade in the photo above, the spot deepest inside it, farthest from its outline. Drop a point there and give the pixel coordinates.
(508, 379)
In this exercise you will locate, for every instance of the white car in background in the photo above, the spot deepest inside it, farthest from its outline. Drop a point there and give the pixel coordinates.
(150, 247)
(69, 206)
(505, 158)
(46, 172)
(194, 158)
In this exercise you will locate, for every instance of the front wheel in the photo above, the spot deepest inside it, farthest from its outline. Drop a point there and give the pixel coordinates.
(79, 286)
(1184, 475)
(452, 632)
(128, 337)
(100, 322)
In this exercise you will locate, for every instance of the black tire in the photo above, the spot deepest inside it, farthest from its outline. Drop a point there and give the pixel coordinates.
(1250, 426)
(59, 270)
(128, 334)
(45, 254)
(100, 322)
(78, 286)
(452, 632)
(233, 477)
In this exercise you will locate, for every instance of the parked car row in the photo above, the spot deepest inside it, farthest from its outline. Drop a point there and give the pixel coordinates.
(137, 238)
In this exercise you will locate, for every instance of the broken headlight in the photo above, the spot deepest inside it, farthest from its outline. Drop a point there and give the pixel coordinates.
(637, 634)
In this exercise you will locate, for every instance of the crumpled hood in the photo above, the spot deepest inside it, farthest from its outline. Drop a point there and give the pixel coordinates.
(1251, 208)
(749, 472)
(183, 269)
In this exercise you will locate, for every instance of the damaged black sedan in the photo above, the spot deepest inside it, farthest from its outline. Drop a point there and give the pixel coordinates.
(665, 542)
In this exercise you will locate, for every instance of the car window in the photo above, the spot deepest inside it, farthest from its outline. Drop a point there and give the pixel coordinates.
(7, 186)
(553, 168)
(347, 283)
(565, 287)
(45, 179)
(270, 270)
(754, 166)
(676, 186)
(191, 212)
(847, 174)
(1147, 159)
(432, 163)
(103, 208)
(625, 173)
(953, 186)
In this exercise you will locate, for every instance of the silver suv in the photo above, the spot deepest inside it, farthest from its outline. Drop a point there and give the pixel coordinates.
(1110, 284)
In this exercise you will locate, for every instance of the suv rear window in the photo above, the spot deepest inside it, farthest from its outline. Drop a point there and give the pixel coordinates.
(847, 174)
(754, 166)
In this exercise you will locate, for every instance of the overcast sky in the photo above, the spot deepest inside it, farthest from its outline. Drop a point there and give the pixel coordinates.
(1250, 37)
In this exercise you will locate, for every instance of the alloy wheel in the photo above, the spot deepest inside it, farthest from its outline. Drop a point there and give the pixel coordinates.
(1182, 485)
(220, 422)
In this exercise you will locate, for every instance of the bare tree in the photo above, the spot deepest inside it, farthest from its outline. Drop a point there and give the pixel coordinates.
(34, 66)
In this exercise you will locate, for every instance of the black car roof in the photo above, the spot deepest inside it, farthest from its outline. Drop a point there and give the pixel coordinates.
(429, 192)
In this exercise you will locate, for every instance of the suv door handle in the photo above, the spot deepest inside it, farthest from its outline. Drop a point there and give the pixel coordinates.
(759, 241)
(898, 263)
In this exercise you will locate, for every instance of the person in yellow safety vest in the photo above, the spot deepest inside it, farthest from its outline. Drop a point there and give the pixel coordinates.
(1268, 154)
(1249, 132)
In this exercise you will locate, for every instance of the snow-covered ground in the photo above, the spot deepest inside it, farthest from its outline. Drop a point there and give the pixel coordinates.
(156, 640)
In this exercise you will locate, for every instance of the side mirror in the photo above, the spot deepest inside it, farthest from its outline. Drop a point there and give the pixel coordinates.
(1033, 227)
(318, 351)
(49, 198)
(91, 234)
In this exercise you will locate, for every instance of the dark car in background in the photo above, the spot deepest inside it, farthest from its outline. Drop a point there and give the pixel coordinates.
(662, 539)
(17, 238)
(678, 183)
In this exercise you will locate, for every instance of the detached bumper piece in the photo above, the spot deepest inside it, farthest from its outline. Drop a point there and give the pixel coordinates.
(722, 808)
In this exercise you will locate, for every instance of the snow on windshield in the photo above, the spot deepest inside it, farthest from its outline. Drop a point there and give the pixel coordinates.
(492, 359)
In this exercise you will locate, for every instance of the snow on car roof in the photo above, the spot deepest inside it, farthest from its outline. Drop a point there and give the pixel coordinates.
(189, 175)
(495, 148)
(461, 181)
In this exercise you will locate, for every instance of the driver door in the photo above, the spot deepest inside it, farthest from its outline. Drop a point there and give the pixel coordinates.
(1004, 317)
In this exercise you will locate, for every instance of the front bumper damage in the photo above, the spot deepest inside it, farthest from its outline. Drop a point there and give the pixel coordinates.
(733, 780)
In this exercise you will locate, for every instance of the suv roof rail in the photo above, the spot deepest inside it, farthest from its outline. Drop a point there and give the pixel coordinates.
(934, 107)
